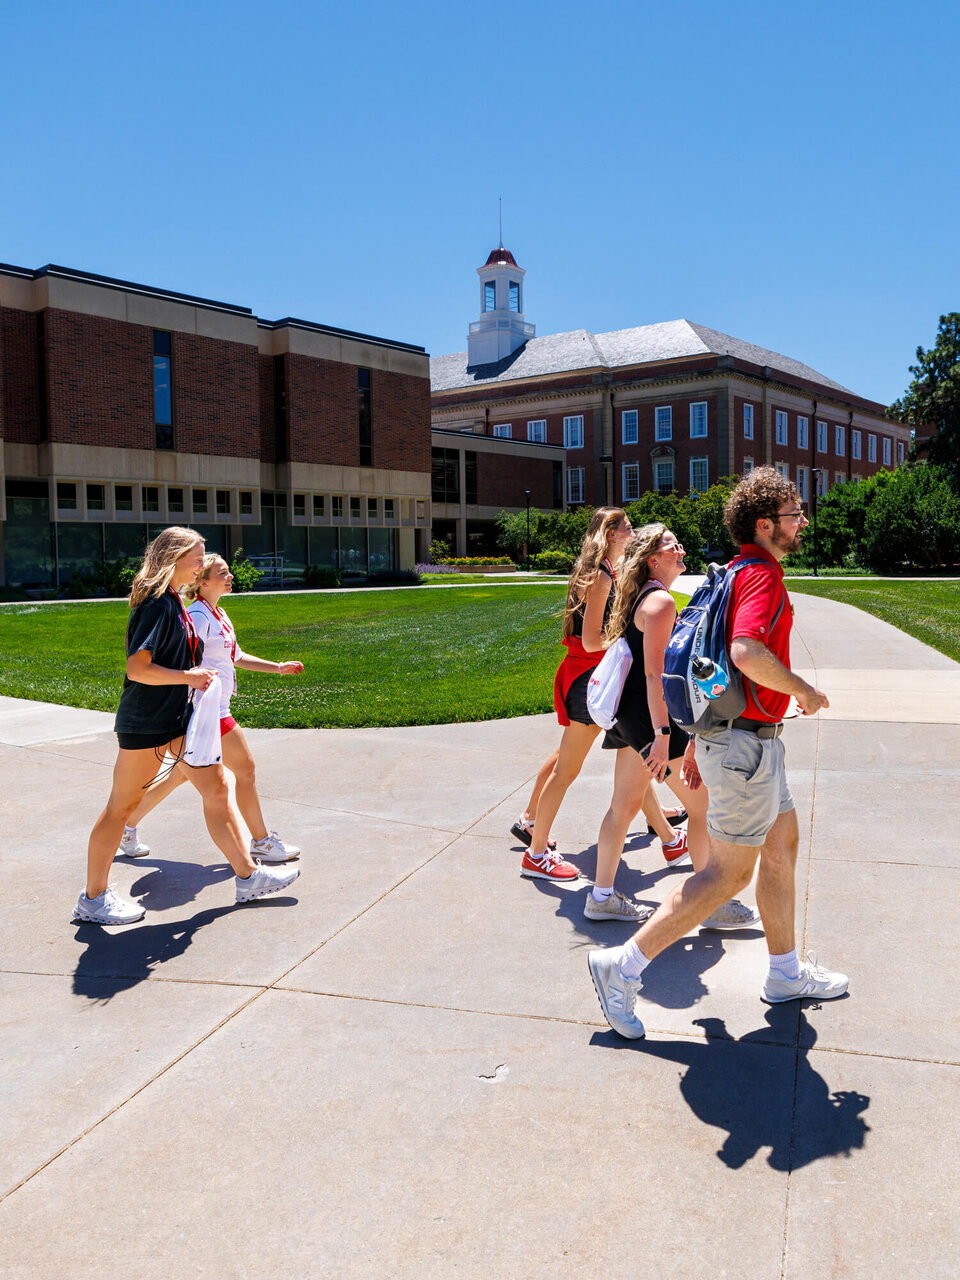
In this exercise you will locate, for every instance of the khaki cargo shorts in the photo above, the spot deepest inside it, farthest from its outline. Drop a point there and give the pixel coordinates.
(746, 779)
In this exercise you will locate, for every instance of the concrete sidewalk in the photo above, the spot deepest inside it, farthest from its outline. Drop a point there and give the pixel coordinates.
(401, 1069)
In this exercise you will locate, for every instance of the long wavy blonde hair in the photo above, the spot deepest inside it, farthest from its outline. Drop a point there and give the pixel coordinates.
(160, 562)
(587, 565)
(632, 577)
(192, 592)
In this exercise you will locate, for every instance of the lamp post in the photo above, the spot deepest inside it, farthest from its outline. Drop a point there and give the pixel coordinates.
(815, 472)
(526, 545)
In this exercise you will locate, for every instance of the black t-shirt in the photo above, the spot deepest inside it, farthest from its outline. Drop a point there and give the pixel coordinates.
(158, 625)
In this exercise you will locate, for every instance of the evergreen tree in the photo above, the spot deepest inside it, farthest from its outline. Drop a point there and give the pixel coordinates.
(932, 400)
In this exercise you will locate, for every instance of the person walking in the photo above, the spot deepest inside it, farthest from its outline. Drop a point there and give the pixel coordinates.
(221, 654)
(750, 811)
(648, 747)
(163, 671)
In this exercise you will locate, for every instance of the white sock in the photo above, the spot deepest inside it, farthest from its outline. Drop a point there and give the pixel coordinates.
(788, 964)
(674, 842)
(129, 831)
(601, 895)
(632, 961)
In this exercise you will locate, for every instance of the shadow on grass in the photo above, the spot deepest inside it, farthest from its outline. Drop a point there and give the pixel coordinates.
(762, 1090)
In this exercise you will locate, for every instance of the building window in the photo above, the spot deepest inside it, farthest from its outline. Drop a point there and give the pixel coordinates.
(537, 431)
(573, 435)
(663, 476)
(389, 511)
(782, 469)
(557, 486)
(200, 502)
(97, 497)
(151, 497)
(631, 481)
(364, 418)
(747, 466)
(781, 436)
(421, 511)
(900, 451)
(336, 507)
(855, 446)
(803, 484)
(246, 502)
(699, 472)
(823, 482)
(574, 484)
(490, 296)
(223, 502)
(629, 428)
(445, 475)
(514, 295)
(839, 441)
(838, 477)
(821, 437)
(698, 420)
(803, 433)
(318, 506)
(871, 448)
(886, 451)
(470, 475)
(162, 390)
(300, 504)
(372, 512)
(66, 496)
(123, 497)
(663, 422)
(503, 429)
(175, 501)
(748, 422)
(354, 508)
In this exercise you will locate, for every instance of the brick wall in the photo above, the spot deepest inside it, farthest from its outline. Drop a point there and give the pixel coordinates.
(268, 409)
(501, 481)
(401, 421)
(19, 402)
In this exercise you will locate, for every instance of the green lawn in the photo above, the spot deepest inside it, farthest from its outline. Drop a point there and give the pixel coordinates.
(929, 611)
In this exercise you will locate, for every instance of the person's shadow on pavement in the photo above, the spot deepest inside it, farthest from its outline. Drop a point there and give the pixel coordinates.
(763, 1092)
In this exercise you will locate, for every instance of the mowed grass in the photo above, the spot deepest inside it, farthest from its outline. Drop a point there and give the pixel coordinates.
(417, 656)
(928, 611)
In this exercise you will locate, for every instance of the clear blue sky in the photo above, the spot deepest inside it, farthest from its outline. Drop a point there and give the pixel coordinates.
(784, 173)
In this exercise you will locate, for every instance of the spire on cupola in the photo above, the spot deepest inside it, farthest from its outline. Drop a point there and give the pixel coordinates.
(501, 328)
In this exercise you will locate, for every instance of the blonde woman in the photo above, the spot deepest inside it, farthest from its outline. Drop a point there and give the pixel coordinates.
(163, 673)
(223, 655)
(648, 746)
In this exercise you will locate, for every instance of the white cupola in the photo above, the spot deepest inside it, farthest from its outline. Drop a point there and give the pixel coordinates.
(501, 328)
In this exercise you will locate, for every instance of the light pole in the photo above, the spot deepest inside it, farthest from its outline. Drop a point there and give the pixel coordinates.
(526, 545)
(815, 472)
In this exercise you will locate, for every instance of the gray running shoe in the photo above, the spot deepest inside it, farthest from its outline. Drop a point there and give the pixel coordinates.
(265, 880)
(108, 908)
(272, 849)
(616, 907)
(617, 994)
(130, 846)
(732, 915)
(813, 982)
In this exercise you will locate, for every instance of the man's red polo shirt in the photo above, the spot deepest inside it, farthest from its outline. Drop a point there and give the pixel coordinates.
(757, 592)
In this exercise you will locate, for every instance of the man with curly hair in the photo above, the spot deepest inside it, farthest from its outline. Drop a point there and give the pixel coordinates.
(750, 813)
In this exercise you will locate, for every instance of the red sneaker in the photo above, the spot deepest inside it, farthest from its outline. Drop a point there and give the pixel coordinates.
(550, 867)
(678, 851)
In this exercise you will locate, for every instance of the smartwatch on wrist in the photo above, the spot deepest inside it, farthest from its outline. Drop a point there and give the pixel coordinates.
(664, 731)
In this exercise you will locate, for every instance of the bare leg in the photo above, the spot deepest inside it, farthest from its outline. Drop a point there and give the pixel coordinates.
(776, 883)
(222, 822)
(576, 742)
(656, 821)
(131, 773)
(631, 783)
(695, 803)
(239, 760)
(156, 792)
(530, 812)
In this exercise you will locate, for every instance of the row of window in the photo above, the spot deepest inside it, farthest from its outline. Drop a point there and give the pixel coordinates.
(664, 479)
(629, 426)
(781, 436)
(802, 478)
(489, 301)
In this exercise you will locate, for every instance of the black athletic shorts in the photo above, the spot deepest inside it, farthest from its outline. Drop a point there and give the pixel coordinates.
(576, 700)
(147, 741)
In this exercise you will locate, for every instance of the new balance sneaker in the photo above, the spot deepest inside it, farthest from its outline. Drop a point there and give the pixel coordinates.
(130, 846)
(265, 880)
(550, 867)
(272, 849)
(814, 982)
(616, 907)
(617, 994)
(732, 915)
(107, 908)
(678, 851)
(524, 833)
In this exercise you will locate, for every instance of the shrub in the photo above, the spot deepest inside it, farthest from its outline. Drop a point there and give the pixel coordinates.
(394, 578)
(107, 578)
(321, 576)
(245, 575)
(439, 548)
(434, 568)
(465, 562)
(554, 561)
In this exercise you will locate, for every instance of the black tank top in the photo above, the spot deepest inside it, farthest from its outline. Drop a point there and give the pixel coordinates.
(582, 606)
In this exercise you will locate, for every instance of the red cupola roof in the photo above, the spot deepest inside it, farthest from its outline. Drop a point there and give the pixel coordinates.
(501, 258)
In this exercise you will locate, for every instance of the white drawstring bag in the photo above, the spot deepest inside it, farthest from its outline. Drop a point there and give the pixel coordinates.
(202, 745)
(606, 684)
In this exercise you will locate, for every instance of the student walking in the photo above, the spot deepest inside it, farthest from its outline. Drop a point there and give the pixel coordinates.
(164, 653)
(222, 654)
(750, 811)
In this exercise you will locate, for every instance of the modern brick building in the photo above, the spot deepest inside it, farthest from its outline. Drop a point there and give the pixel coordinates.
(125, 408)
(663, 406)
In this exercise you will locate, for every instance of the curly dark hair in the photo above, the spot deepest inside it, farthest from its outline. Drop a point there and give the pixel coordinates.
(758, 496)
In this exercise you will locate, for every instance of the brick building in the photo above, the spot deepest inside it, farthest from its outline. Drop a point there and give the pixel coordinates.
(663, 406)
(125, 408)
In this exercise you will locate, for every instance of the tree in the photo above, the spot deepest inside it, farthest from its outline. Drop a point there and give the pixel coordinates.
(932, 399)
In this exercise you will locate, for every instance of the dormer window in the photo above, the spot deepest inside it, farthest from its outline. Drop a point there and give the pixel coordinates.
(490, 296)
(514, 296)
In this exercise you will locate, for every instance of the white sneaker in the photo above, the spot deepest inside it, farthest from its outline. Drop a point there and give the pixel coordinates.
(108, 908)
(265, 880)
(815, 982)
(616, 907)
(617, 994)
(732, 915)
(130, 846)
(272, 849)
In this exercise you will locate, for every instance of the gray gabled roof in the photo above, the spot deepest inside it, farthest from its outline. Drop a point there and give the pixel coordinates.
(580, 349)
